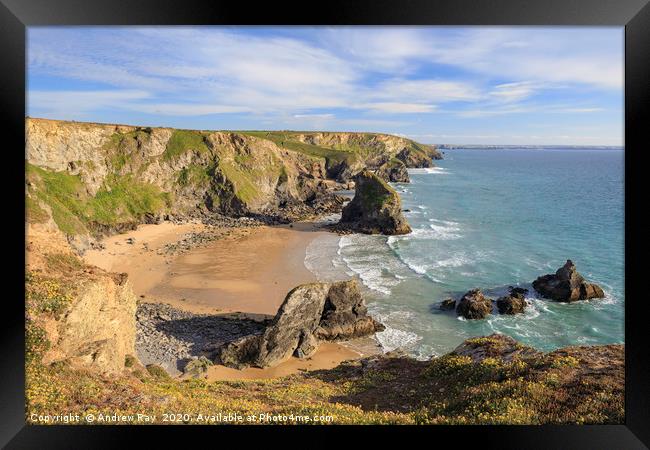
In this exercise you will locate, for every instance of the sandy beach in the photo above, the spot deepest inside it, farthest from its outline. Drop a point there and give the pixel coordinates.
(246, 271)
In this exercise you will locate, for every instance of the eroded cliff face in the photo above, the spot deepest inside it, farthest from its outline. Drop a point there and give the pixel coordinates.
(96, 178)
(86, 315)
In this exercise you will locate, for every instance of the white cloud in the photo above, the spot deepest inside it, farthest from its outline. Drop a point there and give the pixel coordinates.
(398, 108)
(363, 77)
(64, 102)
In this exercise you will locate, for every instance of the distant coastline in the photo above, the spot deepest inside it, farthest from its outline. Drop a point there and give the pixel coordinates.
(528, 147)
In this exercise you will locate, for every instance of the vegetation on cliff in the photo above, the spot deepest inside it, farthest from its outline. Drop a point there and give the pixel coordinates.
(96, 178)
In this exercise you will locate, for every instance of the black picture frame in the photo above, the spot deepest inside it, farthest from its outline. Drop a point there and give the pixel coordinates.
(634, 15)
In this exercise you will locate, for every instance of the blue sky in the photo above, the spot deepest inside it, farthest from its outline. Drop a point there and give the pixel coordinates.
(459, 85)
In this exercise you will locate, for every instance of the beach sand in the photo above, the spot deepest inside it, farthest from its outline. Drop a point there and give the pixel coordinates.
(247, 271)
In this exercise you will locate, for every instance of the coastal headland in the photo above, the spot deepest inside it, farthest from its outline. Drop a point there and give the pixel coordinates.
(150, 248)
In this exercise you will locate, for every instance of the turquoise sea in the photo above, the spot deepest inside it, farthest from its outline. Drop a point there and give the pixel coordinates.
(489, 219)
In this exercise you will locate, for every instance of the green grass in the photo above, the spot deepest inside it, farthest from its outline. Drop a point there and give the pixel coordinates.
(124, 199)
(182, 141)
(194, 175)
(243, 185)
(376, 193)
(289, 141)
(121, 199)
(34, 212)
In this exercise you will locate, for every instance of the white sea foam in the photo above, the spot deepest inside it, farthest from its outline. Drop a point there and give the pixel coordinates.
(391, 339)
(429, 171)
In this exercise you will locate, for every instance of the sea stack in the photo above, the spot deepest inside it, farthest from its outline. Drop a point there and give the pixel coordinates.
(567, 285)
(375, 208)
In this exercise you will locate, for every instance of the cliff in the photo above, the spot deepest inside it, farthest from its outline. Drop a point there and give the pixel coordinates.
(85, 315)
(95, 179)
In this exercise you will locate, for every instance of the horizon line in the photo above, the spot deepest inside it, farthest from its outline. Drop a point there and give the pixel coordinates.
(443, 144)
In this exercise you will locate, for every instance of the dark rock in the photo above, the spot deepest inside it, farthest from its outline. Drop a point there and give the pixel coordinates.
(345, 315)
(413, 158)
(375, 208)
(513, 303)
(448, 304)
(474, 305)
(567, 285)
(394, 171)
(310, 313)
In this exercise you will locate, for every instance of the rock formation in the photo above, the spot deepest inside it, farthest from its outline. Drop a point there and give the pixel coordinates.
(432, 152)
(147, 173)
(474, 305)
(414, 158)
(495, 345)
(310, 313)
(567, 285)
(393, 171)
(514, 302)
(375, 208)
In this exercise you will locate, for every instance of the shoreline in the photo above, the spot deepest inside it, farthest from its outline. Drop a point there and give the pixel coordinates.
(239, 273)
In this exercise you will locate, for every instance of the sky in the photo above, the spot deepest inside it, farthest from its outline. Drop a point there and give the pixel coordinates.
(444, 85)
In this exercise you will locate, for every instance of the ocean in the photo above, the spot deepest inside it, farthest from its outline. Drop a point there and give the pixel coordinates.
(491, 219)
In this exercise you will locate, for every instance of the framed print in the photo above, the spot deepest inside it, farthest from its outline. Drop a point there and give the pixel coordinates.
(403, 218)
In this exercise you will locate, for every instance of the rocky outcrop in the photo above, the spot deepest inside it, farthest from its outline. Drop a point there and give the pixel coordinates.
(514, 302)
(310, 313)
(414, 158)
(345, 315)
(474, 305)
(432, 152)
(393, 171)
(375, 208)
(567, 285)
(97, 328)
(495, 346)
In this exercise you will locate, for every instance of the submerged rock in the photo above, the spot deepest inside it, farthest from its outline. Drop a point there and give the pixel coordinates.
(474, 305)
(310, 313)
(448, 304)
(375, 208)
(513, 303)
(394, 171)
(567, 285)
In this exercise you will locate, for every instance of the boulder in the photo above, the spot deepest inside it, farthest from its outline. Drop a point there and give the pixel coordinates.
(345, 315)
(567, 285)
(474, 305)
(414, 158)
(394, 171)
(375, 208)
(513, 303)
(310, 313)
